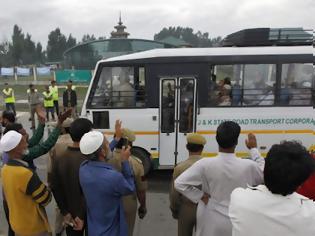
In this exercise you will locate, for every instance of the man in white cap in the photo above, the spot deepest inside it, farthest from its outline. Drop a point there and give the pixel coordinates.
(25, 193)
(103, 187)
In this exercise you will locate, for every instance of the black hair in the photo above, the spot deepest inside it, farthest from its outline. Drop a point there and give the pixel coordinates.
(67, 130)
(9, 115)
(287, 166)
(79, 127)
(227, 80)
(94, 156)
(227, 134)
(69, 81)
(191, 147)
(31, 85)
(122, 142)
(6, 83)
(14, 126)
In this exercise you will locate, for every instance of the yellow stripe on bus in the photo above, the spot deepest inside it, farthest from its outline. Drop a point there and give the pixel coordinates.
(212, 132)
(304, 131)
(155, 155)
(137, 132)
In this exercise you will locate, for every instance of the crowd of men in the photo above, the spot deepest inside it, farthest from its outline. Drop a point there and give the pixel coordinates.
(98, 184)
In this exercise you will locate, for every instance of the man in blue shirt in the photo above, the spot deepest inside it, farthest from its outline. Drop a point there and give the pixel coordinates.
(103, 187)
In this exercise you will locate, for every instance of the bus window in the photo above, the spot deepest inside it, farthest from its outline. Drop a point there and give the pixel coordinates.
(120, 87)
(296, 84)
(259, 85)
(168, 106)
(186, 105)
(225, 85)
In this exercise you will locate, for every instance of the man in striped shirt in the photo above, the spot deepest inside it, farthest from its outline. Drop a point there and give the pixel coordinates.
(25, 193)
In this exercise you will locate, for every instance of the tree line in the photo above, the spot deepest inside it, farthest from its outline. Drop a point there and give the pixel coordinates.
(22, 50)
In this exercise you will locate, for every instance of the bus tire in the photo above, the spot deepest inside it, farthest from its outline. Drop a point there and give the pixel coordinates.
(144, 156)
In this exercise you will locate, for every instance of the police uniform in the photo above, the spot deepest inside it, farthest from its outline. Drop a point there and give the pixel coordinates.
(9, 99)
(182, 208)
(49, 104)
(130, 201)
(54, 90)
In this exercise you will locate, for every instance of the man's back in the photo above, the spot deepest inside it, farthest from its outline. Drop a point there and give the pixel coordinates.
(25, 195)
(103, 188)
(65, 181)
(218, 176)
(272, 214)
(226, 172)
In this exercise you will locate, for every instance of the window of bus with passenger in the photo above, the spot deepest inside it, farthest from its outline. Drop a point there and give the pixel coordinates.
(119, 87)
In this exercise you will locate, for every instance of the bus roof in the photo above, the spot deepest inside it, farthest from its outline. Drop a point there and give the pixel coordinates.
(219, 51)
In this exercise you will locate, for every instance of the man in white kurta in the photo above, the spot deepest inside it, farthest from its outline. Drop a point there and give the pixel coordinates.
(219, 176)
(275, 208)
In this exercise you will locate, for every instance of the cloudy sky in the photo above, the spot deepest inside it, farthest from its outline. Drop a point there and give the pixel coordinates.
(143, 18)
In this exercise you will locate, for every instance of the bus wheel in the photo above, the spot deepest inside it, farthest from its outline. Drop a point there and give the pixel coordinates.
(144, 156)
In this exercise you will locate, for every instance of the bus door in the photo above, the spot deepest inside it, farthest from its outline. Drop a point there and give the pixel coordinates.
(177, 118)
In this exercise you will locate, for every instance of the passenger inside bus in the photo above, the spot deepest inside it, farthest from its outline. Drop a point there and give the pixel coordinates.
(300, 94)
(186, 107)
(123, 92)
(168, 106)
(236, 94)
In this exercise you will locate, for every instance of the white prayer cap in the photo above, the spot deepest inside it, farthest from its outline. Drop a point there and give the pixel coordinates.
(10, 140)
(91, 141)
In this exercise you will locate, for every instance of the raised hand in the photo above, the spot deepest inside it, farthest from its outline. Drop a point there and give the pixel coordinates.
(125, 153)
(251, 141)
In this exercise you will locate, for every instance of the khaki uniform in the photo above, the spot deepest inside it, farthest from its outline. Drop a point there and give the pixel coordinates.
(182, 208)
(130, 201)
(61, 145)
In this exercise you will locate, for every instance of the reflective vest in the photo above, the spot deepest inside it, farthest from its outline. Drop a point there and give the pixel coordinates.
(9, 93)
(48, 99)
(54, 91)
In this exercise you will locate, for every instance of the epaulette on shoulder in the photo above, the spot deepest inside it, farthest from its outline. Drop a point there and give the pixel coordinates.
(137, 159)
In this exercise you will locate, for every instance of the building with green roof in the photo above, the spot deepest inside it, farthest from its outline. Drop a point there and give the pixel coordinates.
(85, 55)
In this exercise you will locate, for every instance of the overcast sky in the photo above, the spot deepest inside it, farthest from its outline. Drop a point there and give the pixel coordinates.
(143, 18)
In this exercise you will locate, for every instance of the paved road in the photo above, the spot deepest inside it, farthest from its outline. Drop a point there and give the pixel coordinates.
(158, 221)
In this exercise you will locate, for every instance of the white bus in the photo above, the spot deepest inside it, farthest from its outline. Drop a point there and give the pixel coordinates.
(164, 94)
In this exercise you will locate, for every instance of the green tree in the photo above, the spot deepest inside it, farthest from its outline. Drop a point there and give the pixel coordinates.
(17, 47)
(40, 55)
(29, 51)
(71, 42)
(87, 38)
(5, 54)
(56, 46)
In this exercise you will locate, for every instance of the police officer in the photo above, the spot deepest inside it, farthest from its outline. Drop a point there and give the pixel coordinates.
(130, 201)
(34, 101)
(182, 208)
(48, 103)
(54, 90)
(9, 99)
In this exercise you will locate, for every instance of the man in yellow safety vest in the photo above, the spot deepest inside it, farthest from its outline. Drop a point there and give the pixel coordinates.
(49, 103)
(54, 90)
(9, 98)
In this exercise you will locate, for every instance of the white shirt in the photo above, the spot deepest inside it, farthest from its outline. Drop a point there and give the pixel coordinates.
(258, 212)
(218, 177)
